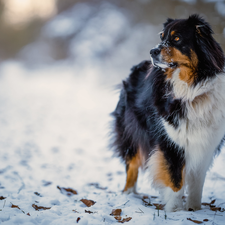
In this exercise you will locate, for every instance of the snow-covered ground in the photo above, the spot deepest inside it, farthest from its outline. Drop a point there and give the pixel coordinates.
(54, 132)
(55, 125)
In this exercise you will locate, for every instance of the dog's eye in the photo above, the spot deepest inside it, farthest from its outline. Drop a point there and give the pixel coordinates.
(161, 35)
(176, 38)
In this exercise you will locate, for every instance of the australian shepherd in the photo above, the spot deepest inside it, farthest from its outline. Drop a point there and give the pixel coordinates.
(170, 117)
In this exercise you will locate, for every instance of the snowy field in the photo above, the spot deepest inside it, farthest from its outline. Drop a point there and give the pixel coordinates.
(55, 125)
(54, 135)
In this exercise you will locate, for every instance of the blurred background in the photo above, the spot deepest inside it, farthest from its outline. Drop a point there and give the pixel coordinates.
(107, 35)
(60, 62)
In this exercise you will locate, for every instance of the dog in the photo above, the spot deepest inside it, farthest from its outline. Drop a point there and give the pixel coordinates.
(170, 118)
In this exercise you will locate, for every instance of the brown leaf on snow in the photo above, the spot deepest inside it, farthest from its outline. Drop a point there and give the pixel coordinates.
(146, 203)
(40, 207)
(215, 208)
(28, 214)
(2, 198)
(87, 202)
(116, 212)
(145, 197)
(195, 221)
(159, 206)
(212, 206)
(125, 220)
(68, 191)
(205, 203)
(118, 218)
(209, 204)
(78, 219)
(205, 220)
(15, 206)
(87, 211)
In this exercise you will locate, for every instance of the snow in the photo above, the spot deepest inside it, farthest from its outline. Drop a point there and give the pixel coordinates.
(54, 132)
(55, 125)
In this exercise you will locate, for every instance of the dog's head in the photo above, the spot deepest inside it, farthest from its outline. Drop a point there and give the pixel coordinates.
(188, 44)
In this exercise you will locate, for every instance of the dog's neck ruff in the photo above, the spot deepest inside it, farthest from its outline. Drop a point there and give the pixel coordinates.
(187, 93)
(200, 131)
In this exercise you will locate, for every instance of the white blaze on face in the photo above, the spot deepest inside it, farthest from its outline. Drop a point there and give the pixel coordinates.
(159, 62)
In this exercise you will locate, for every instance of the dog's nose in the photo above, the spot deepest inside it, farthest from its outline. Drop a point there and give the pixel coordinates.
(154, 52)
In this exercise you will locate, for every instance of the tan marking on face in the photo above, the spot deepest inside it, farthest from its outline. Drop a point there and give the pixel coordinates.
(162, 34)
(132, 172)
(162, 175)
(172, 33)
(187, 65)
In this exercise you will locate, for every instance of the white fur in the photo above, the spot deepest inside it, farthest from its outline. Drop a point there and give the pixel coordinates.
(173, 200)
(159, 62)
(132, 189)
(199, 134)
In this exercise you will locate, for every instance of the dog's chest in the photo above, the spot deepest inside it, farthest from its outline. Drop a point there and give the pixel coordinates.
(203, 126)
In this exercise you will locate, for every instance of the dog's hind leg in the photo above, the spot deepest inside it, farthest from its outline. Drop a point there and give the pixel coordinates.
(132, 166)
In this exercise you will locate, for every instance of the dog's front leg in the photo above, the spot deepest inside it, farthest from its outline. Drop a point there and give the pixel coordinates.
(166, 167)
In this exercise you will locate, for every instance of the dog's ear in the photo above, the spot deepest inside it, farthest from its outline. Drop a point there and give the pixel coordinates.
(211, 50)
(202, 28)
(169, 20)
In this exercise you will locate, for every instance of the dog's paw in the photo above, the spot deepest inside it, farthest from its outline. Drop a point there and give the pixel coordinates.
(193, 206)
(173, 207)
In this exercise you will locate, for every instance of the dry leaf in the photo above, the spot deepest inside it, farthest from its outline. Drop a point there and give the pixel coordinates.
(215, 208)
(87, 211)
(40, 207)
(159, 206)
(67, 191)
(2, 198)
(38, 194)
(125, 220)
(145, 197)
(28, 214)
(116, 212)
(205, 220)
(78, 219)
(209, 204)
(195, 221)
(87, 202)
(15, 206)
(118, 218)
(146, 203)
(205, 203)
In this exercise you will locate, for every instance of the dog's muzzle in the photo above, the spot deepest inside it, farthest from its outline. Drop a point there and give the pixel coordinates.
(155, 52)
(156, 56)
